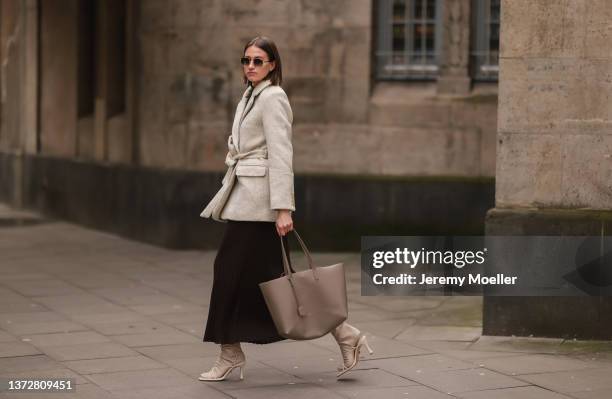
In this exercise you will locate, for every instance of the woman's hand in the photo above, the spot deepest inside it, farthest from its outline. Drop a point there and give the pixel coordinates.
(284, 223)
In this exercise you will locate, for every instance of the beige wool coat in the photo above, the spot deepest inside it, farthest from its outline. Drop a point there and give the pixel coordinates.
(259, 178)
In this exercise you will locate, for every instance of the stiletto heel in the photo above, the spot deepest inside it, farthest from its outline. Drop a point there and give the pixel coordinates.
(241, 374)
(365, 342)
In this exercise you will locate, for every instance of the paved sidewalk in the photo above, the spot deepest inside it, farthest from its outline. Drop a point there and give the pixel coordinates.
(126, 320)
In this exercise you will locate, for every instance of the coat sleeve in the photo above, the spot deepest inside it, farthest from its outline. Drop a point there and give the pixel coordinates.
(277, 120)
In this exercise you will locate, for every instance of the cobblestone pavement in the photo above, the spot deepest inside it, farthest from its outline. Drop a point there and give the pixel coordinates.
(126, 319)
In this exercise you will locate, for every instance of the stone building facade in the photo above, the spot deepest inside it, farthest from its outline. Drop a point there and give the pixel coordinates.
(103, 90)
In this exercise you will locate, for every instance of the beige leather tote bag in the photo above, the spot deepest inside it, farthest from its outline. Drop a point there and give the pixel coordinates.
(306, 304)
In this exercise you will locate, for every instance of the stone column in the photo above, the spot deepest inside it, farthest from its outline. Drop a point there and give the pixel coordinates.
(131, 80)
(455, 48)
(112, 142)
(58, 90)
(554, 151)
(103, 54)
(30, 78)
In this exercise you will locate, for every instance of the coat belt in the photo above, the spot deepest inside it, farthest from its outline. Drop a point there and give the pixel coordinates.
(216, 205)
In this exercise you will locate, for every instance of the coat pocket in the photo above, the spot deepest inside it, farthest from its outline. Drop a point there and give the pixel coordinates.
(251, 170)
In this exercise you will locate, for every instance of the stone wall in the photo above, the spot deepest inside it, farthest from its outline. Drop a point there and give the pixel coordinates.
(59, 32)
(555, 116)
(11, 51)
(345, 122)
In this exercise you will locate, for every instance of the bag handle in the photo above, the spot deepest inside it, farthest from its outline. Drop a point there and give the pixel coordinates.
(288, 271)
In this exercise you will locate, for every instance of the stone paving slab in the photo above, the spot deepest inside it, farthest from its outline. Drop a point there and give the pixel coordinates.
(289, 390)
(192, 390)
(596, 394)
(21, 307)
(127, 318)
(12, 349)
(194, 329)
(98, 281)
(9, 296)
(519, 344)
(112, 364)
(155, 338)
(178, 351)
(439, 333)
(530, 364)
(526, 392)
(417, 365)
(44, 327)
(182, 317)
(601, 358)
(33, 363)
(24, 276)
(94, 319)
(473, 379)
(6, 319)
(62, 302)
(407, 392)
(6, 337)
(357, 380)
(139, 379)
(33, 288)
(141, 299)
(138, 326)
(175, 307)
(62, 339)
(441, 346)
(573, 381)
(73, 310)
(88, 351)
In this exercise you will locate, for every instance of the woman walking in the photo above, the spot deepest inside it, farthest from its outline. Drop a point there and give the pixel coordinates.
(256, 201)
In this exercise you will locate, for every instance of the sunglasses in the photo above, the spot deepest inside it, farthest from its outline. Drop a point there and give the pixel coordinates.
(256, 61)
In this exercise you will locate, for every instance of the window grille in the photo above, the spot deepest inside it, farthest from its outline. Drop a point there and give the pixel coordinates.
(485, 42)
(408, 39)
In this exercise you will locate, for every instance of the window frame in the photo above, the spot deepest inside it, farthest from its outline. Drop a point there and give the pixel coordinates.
(481, 67)
(384, 44)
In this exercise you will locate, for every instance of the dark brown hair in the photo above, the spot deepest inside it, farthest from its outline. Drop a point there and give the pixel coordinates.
(267, 45)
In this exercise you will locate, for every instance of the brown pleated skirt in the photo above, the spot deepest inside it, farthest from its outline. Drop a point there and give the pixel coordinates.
(250, 253)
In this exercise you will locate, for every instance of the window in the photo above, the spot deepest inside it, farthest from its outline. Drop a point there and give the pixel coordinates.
(87, 59)
(101, 55)
(408, 39)
(485, 42)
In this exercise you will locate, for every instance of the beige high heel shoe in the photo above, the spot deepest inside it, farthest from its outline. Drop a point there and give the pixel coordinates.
(231, 357)
(350, 340)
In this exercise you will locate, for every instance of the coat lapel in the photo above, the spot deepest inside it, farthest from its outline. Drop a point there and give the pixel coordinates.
(256, 91)
(245, 106)
(238, 116)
